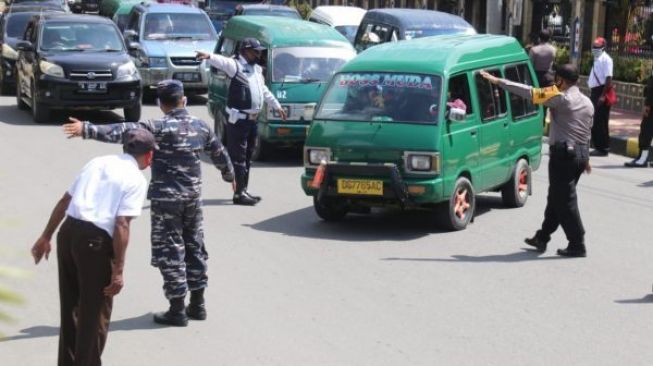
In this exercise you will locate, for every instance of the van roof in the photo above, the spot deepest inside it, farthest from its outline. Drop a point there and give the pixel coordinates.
(417, 18)
(439, 54)
(282, 31)
(339, 15)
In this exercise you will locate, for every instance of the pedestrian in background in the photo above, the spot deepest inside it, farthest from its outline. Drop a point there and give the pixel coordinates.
(569, 137)
(178, 247)
(247, 92)
(600, 81)
(645, 130)
(91, 245)
(542, 56)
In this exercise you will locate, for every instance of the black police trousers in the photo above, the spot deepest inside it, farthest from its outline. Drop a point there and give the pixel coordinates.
(600, 129)
(565, 169)
(241, 141)
(645, 133)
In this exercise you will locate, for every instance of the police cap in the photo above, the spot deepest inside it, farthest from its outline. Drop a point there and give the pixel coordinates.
(251, 43)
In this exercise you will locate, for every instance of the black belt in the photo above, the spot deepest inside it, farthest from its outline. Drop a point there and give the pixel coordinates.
(565, 147)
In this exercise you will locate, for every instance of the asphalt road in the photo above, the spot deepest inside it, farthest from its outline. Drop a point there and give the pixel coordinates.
(380, 289)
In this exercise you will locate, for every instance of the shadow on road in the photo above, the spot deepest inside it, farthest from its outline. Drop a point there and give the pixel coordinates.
(393, 225)
(143, 322)
(525, 255)
(648, 299)
(193, 100)
(646, 184)
(13, 116)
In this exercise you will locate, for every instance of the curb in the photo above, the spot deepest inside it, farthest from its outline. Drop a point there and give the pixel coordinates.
(620, 145)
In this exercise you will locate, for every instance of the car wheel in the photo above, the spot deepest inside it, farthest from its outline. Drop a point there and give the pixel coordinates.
(19, 96)
(515, 192)
(219, 127)
(133, 113)
(40, 112)
(330, 209)
(458, 212)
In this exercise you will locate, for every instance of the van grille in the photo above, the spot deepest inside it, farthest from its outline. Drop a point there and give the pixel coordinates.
(185, 61)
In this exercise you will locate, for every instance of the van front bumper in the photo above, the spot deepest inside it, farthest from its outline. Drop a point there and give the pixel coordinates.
(283, 133)
(397, 189)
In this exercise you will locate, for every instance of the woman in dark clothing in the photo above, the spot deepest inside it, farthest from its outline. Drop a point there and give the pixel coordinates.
(645, 130)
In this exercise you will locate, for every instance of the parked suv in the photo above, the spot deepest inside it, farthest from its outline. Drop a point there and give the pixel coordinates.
(75, 62)
(164, 38)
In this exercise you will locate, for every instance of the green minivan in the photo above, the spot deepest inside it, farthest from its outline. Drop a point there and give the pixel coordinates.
(300, 59)
(412, 124)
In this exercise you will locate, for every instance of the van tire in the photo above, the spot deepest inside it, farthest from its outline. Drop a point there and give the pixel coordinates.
(40, 111)
(515, 192)
(219, 127)
(458, 212)
(330, 209)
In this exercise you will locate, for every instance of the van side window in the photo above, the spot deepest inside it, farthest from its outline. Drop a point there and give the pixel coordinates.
(520, 107)
(374, 34)
(491, 99)
(459, 90)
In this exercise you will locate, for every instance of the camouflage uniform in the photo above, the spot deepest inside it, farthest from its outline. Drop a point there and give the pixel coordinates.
(177, 236)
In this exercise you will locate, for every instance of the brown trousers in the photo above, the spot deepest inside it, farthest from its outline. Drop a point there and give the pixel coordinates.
(84, 254)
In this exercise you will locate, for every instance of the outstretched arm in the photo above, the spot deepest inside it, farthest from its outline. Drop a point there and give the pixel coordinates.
(105, 133)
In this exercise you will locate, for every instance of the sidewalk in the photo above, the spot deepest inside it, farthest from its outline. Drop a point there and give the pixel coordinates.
(624, 129)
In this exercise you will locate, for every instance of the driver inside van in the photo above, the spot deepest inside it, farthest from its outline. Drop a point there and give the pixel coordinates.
(285, 64)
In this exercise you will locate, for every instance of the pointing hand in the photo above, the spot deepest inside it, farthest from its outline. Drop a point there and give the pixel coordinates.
(73, 128)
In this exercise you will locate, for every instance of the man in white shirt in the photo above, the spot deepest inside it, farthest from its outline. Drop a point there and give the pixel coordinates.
(247, 92)
(600, 81)
(106, 195)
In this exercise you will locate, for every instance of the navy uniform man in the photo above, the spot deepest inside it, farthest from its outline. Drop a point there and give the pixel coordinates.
(177, 236)
(571, 124)
(247, 92)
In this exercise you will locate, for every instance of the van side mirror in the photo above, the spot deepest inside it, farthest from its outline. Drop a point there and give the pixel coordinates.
(457, 114)
(25, 46)
(129, 34)
(133, 46)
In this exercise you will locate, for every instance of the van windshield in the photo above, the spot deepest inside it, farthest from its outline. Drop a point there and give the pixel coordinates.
(382, 97)
(178, 26)
(428, 32)
(308, 64)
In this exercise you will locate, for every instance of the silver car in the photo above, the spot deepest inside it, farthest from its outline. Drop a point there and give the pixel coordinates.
(164, 38)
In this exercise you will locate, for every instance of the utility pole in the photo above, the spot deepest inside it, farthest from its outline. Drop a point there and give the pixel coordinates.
(576, 36)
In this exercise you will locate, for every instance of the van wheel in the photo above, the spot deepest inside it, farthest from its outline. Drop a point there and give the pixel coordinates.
(458, 212)
(261, 149)
(40, 112)
(515, 192)
(330, 209)
(219, 127)
(20, 103)
(132, 114)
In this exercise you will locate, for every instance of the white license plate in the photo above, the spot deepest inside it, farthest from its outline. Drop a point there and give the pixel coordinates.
(92, 87)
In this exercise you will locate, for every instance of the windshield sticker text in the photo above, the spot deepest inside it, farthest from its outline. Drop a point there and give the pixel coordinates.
(390, 80)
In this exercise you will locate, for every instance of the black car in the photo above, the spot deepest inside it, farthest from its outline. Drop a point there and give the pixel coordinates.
(68, 61)
(12, 28)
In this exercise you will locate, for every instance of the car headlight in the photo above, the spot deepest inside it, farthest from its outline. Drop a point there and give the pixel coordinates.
(273, 114)
(51, 69)
(128, 69)
(8, 52)
(422, 162)
(317, 155)
(157, 61)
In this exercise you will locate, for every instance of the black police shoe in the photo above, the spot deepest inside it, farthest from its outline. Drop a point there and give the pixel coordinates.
(170, 318)
(257, 198)
(244, 199)
(636, 164)
(577, 250)
(537, 243)
(599, 152)
(196, 311)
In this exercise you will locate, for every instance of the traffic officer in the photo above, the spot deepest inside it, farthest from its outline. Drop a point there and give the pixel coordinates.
(178, 248)
(542, 56)
(91, 244)
(247, 92)
(569, 136)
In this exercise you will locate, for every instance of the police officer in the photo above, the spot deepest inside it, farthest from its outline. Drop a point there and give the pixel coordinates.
(571, 123)
(247, 92)
(178, 248)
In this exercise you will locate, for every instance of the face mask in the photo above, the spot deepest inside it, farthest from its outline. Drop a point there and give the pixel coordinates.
(597, 52)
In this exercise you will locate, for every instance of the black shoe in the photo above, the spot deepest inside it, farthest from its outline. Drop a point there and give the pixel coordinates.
(170, 318)
(635, 164)
(244, 199)
(257, 198)
(573, 251)
(196, 312)
(536, 242)
(599, 152)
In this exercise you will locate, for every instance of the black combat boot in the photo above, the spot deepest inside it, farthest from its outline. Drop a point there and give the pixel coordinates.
(246, 191)
(573, 250)
(175, 315)
(196, 309)
(537, 242)
(240, 196)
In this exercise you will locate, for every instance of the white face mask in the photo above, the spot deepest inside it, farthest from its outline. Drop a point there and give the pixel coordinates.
(597, 52)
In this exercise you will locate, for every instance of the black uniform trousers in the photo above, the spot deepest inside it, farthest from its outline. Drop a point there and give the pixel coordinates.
(241, 141)
(645, 133)
(565, 169)
(600, 129)
(84, 254)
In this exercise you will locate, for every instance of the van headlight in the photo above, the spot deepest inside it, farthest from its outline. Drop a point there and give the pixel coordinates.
(8, 52)
(157, 62)
(273, 114)
(126, 70)
(316, 155)
(420, 162)
(51, 69)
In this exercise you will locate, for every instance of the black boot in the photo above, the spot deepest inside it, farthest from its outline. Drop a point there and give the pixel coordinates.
(246, 184)
(240, 196)
(573, 250)
(196, 309)
(641, 161)
(175, 315)
(538, 243)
